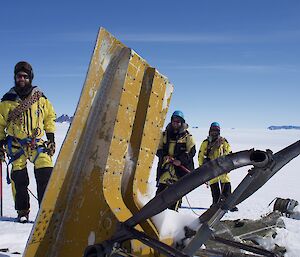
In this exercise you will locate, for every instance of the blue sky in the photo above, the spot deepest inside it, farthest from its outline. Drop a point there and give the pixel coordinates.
(235, 62)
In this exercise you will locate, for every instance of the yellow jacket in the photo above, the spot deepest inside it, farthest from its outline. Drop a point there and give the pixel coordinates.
(39, 117)
(180, 146)
(212, 151)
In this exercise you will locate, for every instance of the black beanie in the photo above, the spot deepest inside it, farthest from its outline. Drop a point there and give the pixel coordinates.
(25, 67)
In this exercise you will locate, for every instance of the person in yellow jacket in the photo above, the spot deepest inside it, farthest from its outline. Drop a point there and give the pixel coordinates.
(211, 148)
(175, 151)
(25, 116)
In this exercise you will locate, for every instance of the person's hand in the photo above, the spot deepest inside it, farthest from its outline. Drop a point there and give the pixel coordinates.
(176, 162)
(168, 159)
(50, 148)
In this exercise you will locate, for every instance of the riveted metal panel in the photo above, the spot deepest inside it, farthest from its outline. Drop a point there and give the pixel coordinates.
(74, 212)
(106, 156)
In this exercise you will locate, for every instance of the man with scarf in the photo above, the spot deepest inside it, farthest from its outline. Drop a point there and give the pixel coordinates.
(175, 152)
(212, 148)
(25, 116)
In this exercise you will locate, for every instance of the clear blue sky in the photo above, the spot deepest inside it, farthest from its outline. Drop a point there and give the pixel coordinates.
(235, 62)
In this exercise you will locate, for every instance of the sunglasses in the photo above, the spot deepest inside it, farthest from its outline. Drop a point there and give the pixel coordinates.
(25, 76)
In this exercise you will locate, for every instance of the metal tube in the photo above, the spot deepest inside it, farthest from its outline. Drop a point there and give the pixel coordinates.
(197, 177)
(262, 175)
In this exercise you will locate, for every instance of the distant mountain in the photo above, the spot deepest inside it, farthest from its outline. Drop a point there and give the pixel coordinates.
(283, 127)
(64, 118)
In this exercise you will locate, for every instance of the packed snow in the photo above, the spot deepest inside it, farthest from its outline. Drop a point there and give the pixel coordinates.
(284, 184)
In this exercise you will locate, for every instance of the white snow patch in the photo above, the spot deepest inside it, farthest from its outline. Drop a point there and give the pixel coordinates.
(296, 213)
(168, 93)
(171, 223)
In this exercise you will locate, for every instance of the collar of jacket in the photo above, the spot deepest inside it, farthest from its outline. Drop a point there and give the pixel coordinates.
(182, 130)
(12, 95)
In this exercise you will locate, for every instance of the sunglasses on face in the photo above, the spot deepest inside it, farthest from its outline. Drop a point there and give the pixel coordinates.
(25, 76)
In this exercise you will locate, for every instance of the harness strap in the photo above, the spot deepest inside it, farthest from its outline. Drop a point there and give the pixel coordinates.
(14, 156)
(211, 147)
(22, 142)
(39, 149)
(7, 173)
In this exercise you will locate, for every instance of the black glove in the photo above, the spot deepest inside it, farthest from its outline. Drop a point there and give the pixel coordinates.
(50, 137)
(50, 144)
(2, 151)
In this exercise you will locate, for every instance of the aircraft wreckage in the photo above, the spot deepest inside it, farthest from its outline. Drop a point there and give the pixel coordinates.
(91, 206)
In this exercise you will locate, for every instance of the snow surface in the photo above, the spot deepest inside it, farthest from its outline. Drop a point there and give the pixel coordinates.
(284, 184)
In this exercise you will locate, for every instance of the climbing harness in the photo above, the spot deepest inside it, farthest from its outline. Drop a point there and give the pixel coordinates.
(32, 143)
(29, 143)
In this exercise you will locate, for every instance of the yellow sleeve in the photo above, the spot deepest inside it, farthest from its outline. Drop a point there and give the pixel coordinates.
(201, 154)
(190, 143)
(50, 116)
(161, 141)
(227, 148)
(3, 123)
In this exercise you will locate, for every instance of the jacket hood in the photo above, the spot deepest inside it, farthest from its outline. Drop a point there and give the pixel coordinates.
(183, 128)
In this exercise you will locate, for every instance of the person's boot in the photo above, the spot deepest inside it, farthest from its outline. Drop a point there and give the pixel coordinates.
(23, 216)
(234, 209)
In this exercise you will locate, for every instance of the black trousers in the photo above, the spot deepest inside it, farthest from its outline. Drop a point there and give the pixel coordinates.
(21, 182)
(175, 206)
(42, 176)
(220, 190)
